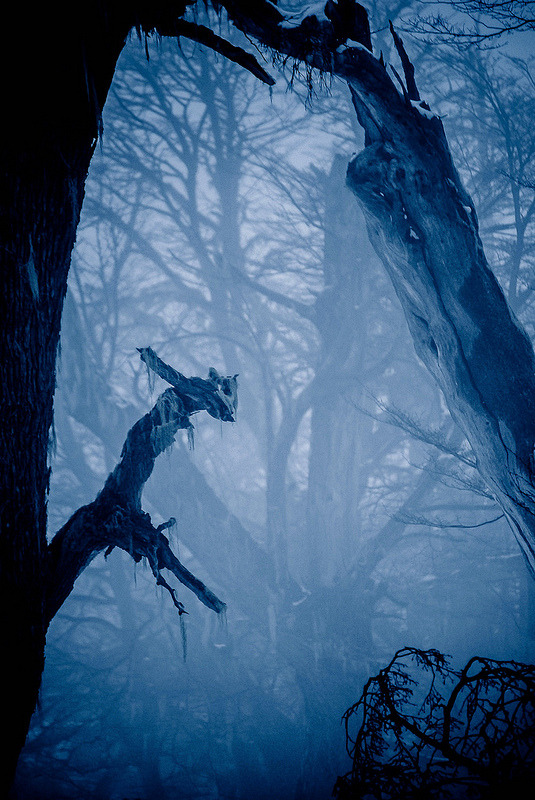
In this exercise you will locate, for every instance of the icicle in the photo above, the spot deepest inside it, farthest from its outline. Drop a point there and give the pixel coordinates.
(222, 620)
(184, 638)
(52, 442)
(191, 438)
(151, 378)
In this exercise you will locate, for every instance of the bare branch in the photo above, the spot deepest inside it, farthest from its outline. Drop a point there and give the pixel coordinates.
(486, 21)
(196, 393)
(408, 68)
(428, 522)
(115, 518)
(205, 36)
(472, 733)
(313, 41)
(434, 437)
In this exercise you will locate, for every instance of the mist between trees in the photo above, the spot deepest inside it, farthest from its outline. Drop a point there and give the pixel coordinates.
(341, 517)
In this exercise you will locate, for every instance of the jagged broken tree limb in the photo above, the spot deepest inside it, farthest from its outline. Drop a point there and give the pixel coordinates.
(424, 227)
(115, 518)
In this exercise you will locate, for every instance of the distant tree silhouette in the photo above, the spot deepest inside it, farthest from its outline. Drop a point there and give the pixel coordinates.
(443, 733)
(486, 20)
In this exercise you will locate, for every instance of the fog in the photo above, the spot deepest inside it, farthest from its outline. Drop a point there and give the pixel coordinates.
(340, 517)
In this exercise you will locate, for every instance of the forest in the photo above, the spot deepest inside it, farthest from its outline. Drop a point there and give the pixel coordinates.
(316, 573)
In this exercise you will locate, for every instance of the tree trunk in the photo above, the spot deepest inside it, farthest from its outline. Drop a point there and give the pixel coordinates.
(51, 116)
(424, 228)
(44, 190)
(332, 512)
(58, 61)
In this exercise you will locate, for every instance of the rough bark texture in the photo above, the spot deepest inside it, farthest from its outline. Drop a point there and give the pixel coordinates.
(115, 518)
(46, 144)
(424, 227)
(57, 68)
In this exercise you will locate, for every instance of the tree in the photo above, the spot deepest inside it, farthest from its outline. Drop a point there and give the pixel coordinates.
(428, 730)
(424, 226)
(403, 177)
(487, 21)
(54, 105)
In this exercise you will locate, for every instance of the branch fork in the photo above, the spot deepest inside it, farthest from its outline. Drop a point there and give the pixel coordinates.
(115, 518)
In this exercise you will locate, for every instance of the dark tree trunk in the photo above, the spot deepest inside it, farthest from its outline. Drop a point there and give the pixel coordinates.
(57, 62)
(51, 109)
(39, 218)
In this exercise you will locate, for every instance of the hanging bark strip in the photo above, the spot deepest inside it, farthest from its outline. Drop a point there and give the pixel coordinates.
(115, 518)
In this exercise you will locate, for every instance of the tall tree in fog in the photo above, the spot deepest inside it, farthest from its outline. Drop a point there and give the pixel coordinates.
(54, 105)
(421, 220)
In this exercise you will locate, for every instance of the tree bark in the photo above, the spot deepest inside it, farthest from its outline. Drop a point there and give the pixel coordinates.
(58, 62)
(34, 291)
(40, 211)
(424, 227)
(58, 71)
(115, 518)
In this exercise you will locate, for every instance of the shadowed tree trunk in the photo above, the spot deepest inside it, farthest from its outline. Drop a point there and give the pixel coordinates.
(58, 64)
(52, 110)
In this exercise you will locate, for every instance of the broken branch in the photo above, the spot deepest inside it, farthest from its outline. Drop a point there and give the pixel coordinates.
(205, 36)
(115, 518)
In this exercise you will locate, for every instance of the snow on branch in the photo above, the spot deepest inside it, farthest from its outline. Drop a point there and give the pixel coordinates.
(197, 393)
(115, 518)
(311, 36)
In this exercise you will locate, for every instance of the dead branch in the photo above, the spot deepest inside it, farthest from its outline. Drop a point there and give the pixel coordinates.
(115, 518)
(205, 36)
(427, 730)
